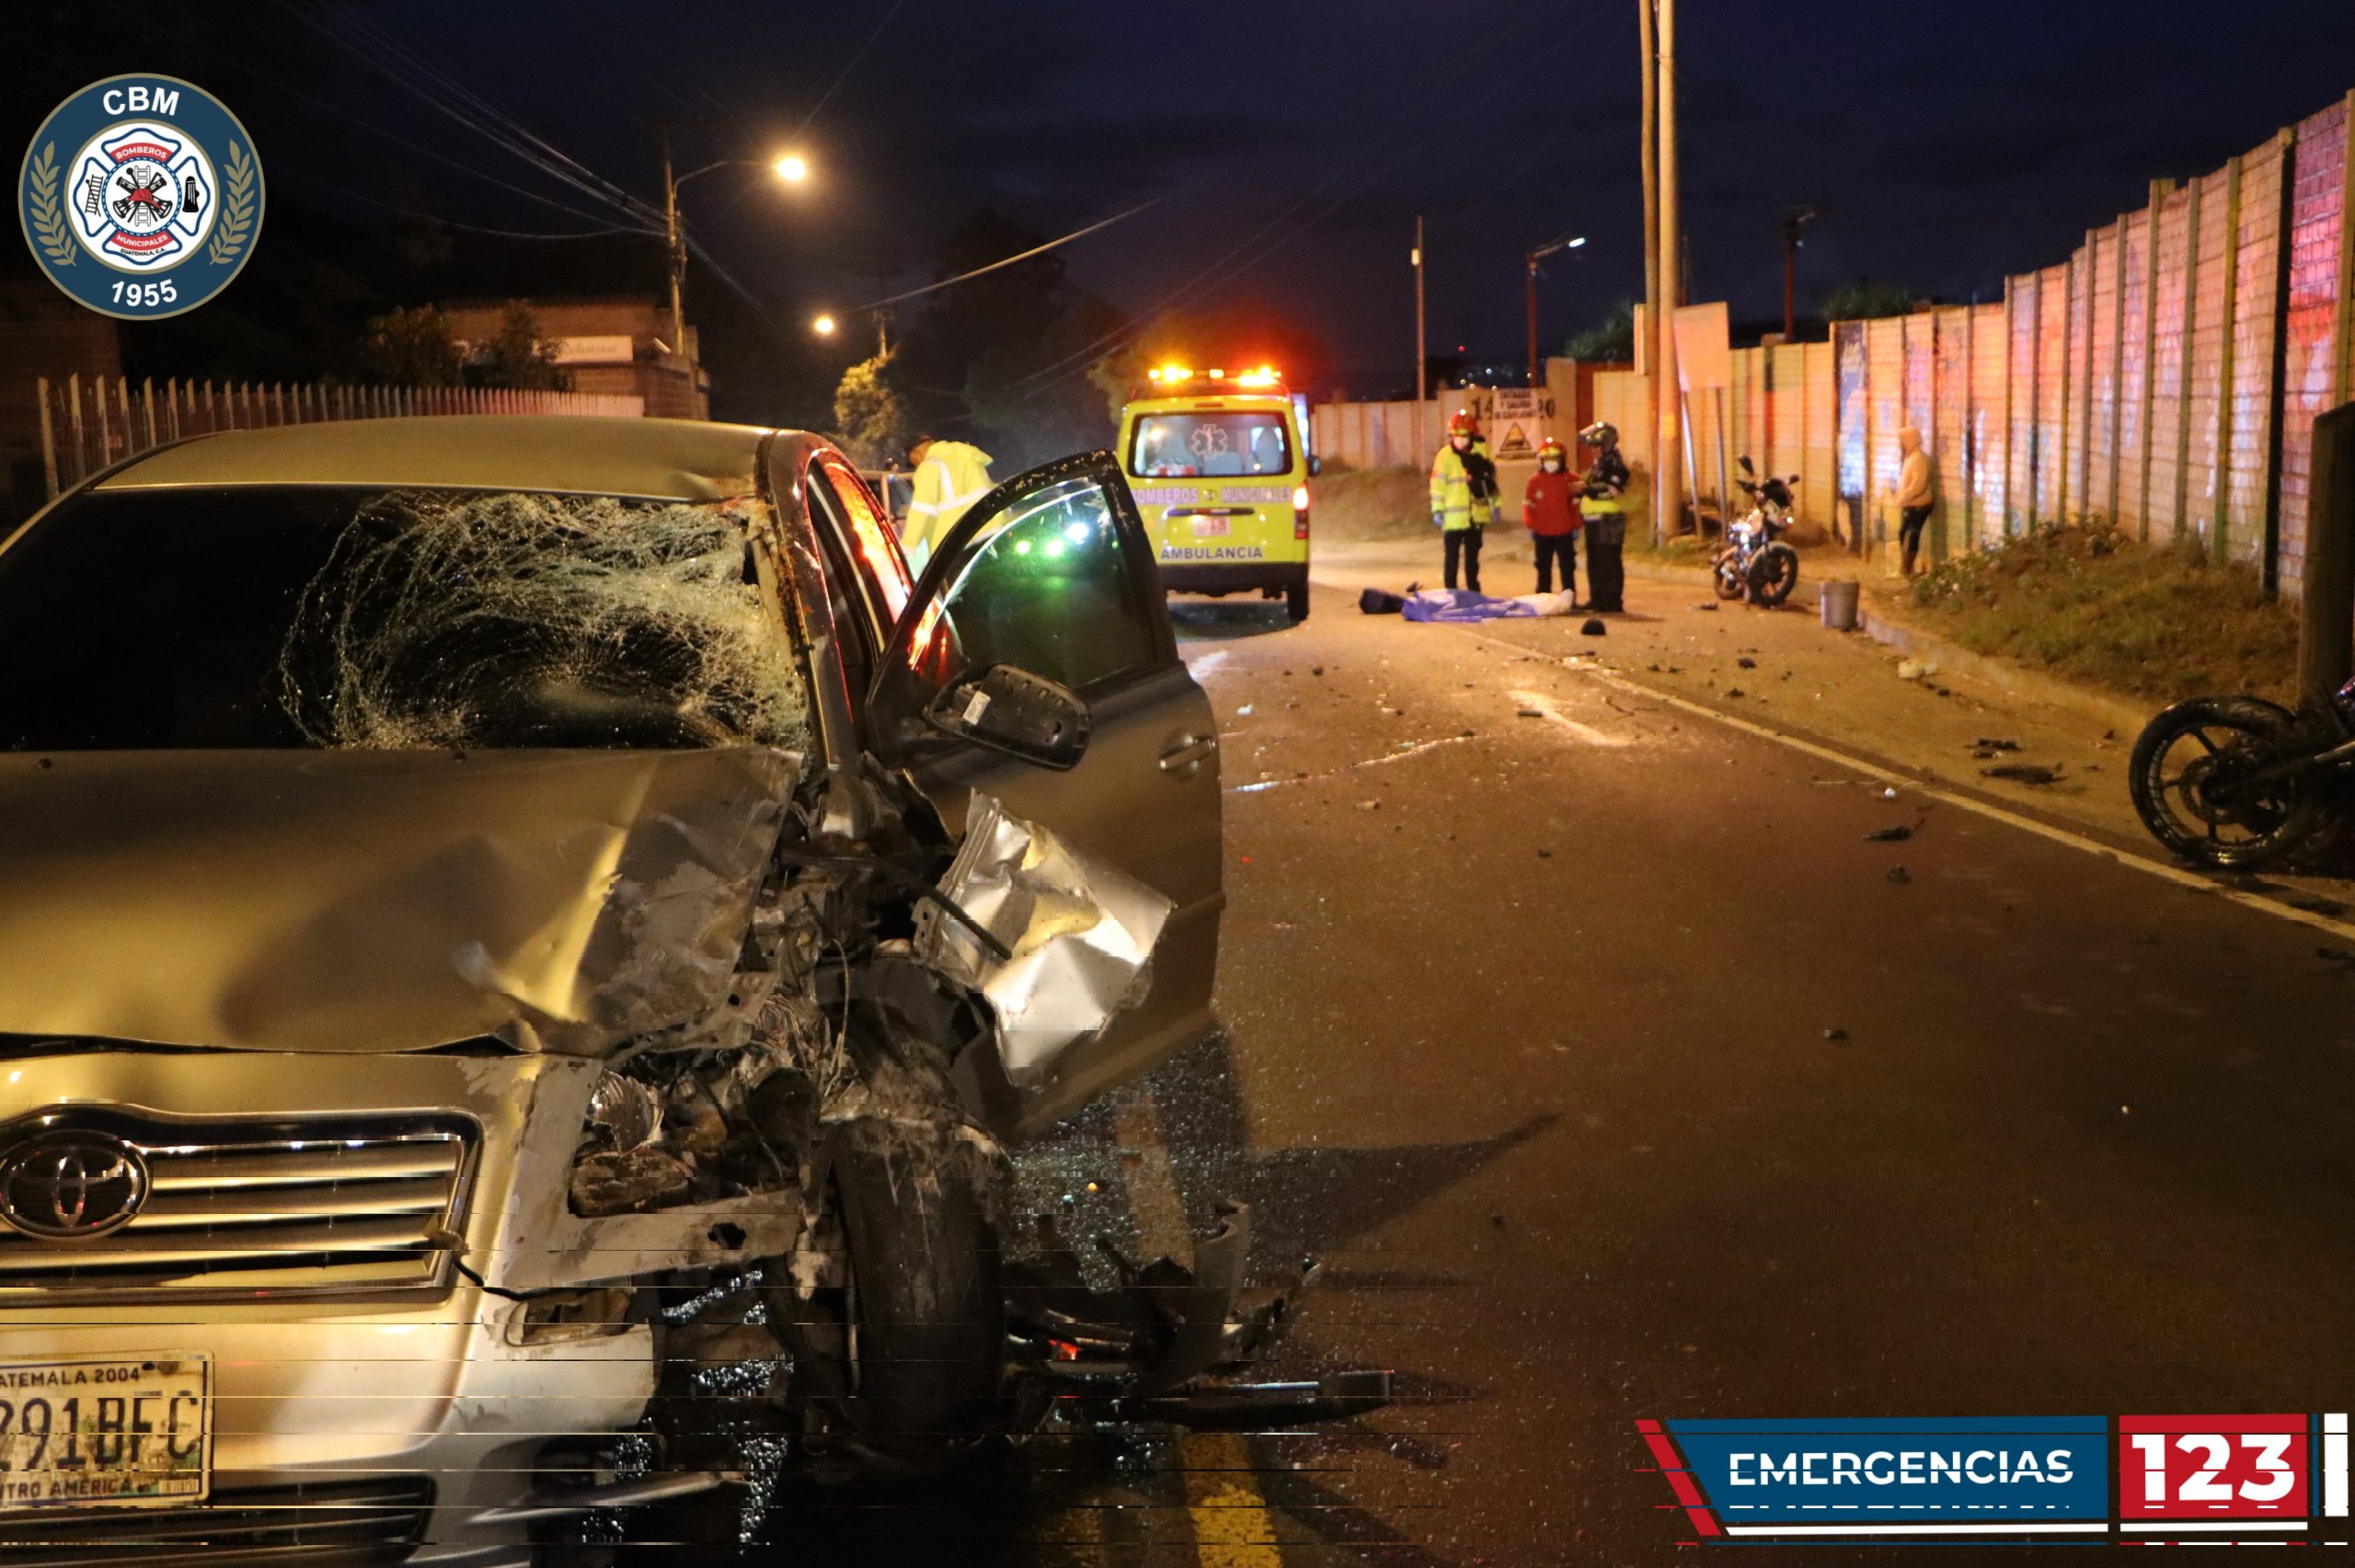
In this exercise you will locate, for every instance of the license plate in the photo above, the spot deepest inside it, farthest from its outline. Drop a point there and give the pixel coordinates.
(106, 1432)
(1205, 527)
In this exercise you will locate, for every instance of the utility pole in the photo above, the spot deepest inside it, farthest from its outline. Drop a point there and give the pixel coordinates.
(1668, 445)
(678, 252)
(1797, 218)
(1650, 56)
(1422, 361)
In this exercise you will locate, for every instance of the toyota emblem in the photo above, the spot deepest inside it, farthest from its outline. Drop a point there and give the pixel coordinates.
(72, 1186)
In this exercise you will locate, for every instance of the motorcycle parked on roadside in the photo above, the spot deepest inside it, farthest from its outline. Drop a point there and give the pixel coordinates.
(1754, 561)
(2239, 783)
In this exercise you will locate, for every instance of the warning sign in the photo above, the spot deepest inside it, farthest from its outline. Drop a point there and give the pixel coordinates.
(1515, 419)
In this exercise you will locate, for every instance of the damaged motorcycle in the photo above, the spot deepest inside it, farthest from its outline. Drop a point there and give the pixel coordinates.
(2238, 783)
(528, 942)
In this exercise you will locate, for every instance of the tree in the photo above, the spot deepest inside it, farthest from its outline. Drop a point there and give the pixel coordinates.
(1864, 300)
(870, 422)
(410, 348)
(519, 357)
(1610, 340)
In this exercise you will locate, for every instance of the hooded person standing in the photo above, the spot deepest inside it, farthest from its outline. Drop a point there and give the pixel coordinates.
(949, 478)
(1917, 493)
(1464, 498)
(1605, 507)
(1549, 509)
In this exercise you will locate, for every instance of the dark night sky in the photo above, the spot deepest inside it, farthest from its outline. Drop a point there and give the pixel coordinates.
(1291, 141)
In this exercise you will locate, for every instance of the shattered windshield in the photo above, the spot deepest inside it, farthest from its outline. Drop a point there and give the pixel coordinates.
(284, 616)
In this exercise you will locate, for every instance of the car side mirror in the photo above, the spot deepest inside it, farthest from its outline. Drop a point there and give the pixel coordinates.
(1315, 465)
(1015, 712)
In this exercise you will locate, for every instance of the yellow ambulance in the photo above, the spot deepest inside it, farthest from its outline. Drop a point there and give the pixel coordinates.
(1219, 464)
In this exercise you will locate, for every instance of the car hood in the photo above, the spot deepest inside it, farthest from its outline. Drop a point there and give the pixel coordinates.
(363, 901)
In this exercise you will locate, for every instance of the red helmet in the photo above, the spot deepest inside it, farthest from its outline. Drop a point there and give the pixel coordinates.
(1552, 446)
(1462, 423)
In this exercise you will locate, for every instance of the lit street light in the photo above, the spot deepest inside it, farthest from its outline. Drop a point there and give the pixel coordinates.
(792, 168)
(1568, 242)
(824, 327)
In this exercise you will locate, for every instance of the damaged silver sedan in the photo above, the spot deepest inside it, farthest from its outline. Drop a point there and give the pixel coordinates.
(525, 943)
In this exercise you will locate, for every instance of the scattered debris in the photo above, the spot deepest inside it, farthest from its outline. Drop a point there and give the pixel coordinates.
(1835, 1034)
(2025, 772)
(1735, 692)
(1915, 669)
(1244, 712)
(1711, 607)
(1368, 805)
(1316, 669)
(1896, 835)
(1989, 743)
(1888, 792)
(1533, 712)
(1545, 855)
(1900, 875)
(1592, 627)
(1746, 662)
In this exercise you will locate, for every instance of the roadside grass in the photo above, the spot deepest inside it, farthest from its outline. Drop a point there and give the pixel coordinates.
(2160, 623)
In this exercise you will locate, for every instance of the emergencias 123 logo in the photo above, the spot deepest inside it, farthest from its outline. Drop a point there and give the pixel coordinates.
(141, 196)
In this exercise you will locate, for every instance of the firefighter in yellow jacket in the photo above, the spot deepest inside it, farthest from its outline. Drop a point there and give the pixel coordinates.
(950, 476)
(1464, 498)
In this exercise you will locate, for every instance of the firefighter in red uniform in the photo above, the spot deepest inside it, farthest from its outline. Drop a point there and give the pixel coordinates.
(1549, 509)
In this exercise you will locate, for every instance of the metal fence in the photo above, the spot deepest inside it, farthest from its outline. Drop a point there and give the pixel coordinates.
(86, 425)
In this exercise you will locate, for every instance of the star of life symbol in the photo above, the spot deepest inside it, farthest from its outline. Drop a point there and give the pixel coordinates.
(143, 197)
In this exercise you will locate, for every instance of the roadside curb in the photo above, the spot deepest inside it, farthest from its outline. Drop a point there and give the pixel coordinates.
(2125, 717)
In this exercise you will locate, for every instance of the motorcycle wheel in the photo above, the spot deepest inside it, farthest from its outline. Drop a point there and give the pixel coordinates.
(2194, 782)
(1724, 576)
(1776, 573)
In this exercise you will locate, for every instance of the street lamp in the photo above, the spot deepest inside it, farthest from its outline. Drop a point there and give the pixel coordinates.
(1568, 242)
(823, 325)
(791, 167)
(1796, 220)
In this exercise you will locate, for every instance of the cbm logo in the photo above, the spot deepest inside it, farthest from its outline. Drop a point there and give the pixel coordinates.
(141, 196)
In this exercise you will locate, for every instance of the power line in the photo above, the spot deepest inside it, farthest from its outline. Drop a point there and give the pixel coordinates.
(1006, 261)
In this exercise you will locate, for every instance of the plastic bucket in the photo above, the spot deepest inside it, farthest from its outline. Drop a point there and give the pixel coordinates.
(1838, 603)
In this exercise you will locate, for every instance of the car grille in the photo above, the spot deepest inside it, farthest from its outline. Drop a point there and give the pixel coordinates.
(235, 1208)
(277, 1527)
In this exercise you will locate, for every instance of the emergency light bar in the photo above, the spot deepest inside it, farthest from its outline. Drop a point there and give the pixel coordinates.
(1169, 378)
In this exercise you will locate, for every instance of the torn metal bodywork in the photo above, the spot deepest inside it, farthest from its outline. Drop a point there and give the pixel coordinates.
(1073, 938)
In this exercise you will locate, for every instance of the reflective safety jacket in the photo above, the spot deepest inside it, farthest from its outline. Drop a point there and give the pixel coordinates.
(952, 477)
(1455, 503)
(1606, 485)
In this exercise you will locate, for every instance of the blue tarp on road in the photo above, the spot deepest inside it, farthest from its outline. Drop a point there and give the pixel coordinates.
(1463, 604)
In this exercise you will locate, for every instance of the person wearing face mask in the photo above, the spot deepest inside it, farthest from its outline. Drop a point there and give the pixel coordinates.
(1549, 509)
(1464, 498)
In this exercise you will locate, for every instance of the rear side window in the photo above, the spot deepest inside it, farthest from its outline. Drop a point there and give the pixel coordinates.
(285, 616)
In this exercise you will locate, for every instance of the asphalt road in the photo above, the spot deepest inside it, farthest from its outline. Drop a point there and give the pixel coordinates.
(1615, 1074)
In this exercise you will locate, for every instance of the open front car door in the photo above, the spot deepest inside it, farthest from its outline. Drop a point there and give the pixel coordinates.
(1035, 666)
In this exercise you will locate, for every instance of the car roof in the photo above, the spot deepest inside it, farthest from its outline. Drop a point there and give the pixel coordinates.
(582, 454)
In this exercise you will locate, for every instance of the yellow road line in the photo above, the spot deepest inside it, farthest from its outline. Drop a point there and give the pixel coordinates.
(2161, 869)
(1234, 1528)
